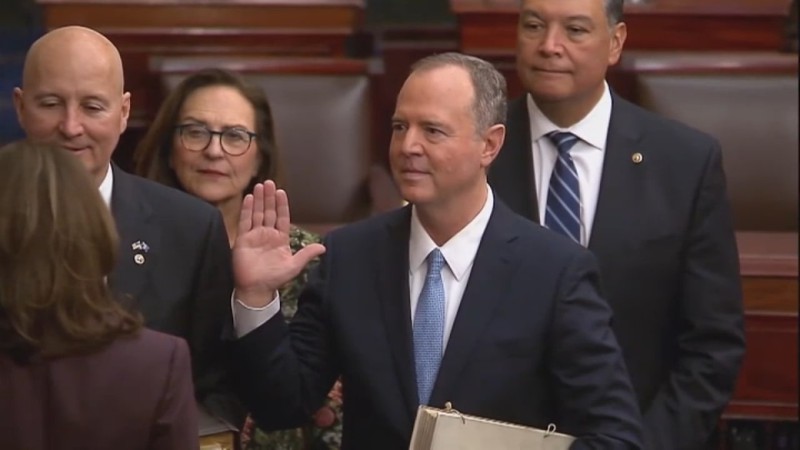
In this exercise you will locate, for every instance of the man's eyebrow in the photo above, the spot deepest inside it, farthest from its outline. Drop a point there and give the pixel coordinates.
(529, 14)
(432, 123)
(41, 95)
(96, 98)
(580, 18)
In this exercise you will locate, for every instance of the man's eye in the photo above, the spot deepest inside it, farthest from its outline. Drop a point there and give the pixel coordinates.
(398, 127)
(532, 26)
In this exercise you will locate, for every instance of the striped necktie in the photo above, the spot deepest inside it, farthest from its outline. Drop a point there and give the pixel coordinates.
(563, 212)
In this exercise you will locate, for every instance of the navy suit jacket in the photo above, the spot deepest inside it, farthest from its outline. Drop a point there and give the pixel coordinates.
(663, 236)
(182, 283)
(531, 343)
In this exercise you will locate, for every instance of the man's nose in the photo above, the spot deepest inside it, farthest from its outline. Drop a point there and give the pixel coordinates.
(411, 142)
(71, 124)
(551, 44)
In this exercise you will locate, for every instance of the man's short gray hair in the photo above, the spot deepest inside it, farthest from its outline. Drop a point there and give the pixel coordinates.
(613, 9)
(489, 85)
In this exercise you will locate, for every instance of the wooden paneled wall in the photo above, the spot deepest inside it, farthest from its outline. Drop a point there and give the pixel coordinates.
(144, 28)
(488, 27)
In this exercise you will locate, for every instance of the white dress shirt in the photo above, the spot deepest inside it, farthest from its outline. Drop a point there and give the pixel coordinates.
(459, 255)
(107, 186)
(588, 155)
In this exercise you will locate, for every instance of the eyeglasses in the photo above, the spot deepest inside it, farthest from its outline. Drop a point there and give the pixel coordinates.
(233, 141)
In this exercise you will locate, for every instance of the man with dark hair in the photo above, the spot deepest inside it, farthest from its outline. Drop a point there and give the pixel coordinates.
(452, 298)
(647, 196)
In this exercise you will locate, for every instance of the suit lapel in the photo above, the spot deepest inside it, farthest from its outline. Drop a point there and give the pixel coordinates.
(392, 289)
(619, 196)
(133, 217)
(485, 290)
(513, 176)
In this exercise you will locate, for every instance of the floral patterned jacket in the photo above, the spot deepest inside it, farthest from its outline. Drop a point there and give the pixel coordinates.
(325, 431)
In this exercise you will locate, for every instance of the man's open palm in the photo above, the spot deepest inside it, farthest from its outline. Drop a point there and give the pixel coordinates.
(262, 258)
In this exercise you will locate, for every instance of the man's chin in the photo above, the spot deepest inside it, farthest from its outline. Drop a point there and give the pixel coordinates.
(86, 156)
(547, 95)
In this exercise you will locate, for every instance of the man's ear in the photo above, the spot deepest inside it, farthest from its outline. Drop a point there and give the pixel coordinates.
(18, 105)
(618, 35)
(493, 140)
(125, 113)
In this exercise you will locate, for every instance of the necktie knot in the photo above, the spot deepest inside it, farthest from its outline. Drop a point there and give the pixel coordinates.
(563, 140)
(435, 262)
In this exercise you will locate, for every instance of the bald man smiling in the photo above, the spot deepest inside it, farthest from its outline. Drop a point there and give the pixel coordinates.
(174, 259)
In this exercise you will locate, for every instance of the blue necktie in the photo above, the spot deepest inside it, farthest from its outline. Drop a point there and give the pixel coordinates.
(563, 212)
(429, 327)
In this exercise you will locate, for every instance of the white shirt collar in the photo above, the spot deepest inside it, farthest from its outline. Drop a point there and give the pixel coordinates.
(106, 186)
(459, 252)
(592, 129)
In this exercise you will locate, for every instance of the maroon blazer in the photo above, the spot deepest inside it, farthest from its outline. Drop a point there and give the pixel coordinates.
(135, 394)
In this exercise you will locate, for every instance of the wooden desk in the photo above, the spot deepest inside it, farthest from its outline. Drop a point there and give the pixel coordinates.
(767, 386)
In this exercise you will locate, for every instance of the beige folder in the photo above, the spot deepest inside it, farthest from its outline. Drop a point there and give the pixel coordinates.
(447, 429)
(215, 433)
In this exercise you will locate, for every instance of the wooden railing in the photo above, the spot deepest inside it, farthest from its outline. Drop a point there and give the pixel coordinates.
(768, 383)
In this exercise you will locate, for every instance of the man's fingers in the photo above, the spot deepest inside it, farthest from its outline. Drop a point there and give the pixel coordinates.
(258, 206)
(282, 219)
(246, 215)
(307, 253)
(269, 204)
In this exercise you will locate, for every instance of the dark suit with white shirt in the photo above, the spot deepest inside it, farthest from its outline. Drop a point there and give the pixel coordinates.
(175, 264)
(663, 236)
(531, 342)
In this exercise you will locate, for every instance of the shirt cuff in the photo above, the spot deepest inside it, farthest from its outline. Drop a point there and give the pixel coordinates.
(246, 318)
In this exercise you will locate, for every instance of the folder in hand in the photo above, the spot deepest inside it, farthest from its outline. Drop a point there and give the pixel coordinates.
(448, 429)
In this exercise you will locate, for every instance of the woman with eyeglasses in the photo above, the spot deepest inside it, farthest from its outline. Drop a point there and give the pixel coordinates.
(214, 138)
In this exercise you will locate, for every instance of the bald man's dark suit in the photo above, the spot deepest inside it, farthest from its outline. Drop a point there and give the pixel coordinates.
(663, 236)
(183, 282)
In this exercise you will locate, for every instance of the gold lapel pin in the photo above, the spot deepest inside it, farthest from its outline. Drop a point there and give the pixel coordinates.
(138, 259)
(637, 158)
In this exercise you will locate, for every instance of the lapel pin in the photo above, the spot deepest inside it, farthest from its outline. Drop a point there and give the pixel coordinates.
(138, 259)
(141, 246)
(637, 158)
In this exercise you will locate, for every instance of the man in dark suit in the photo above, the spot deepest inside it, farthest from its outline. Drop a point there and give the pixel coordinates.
(453, 298)
(174, 260)
(652, 208)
